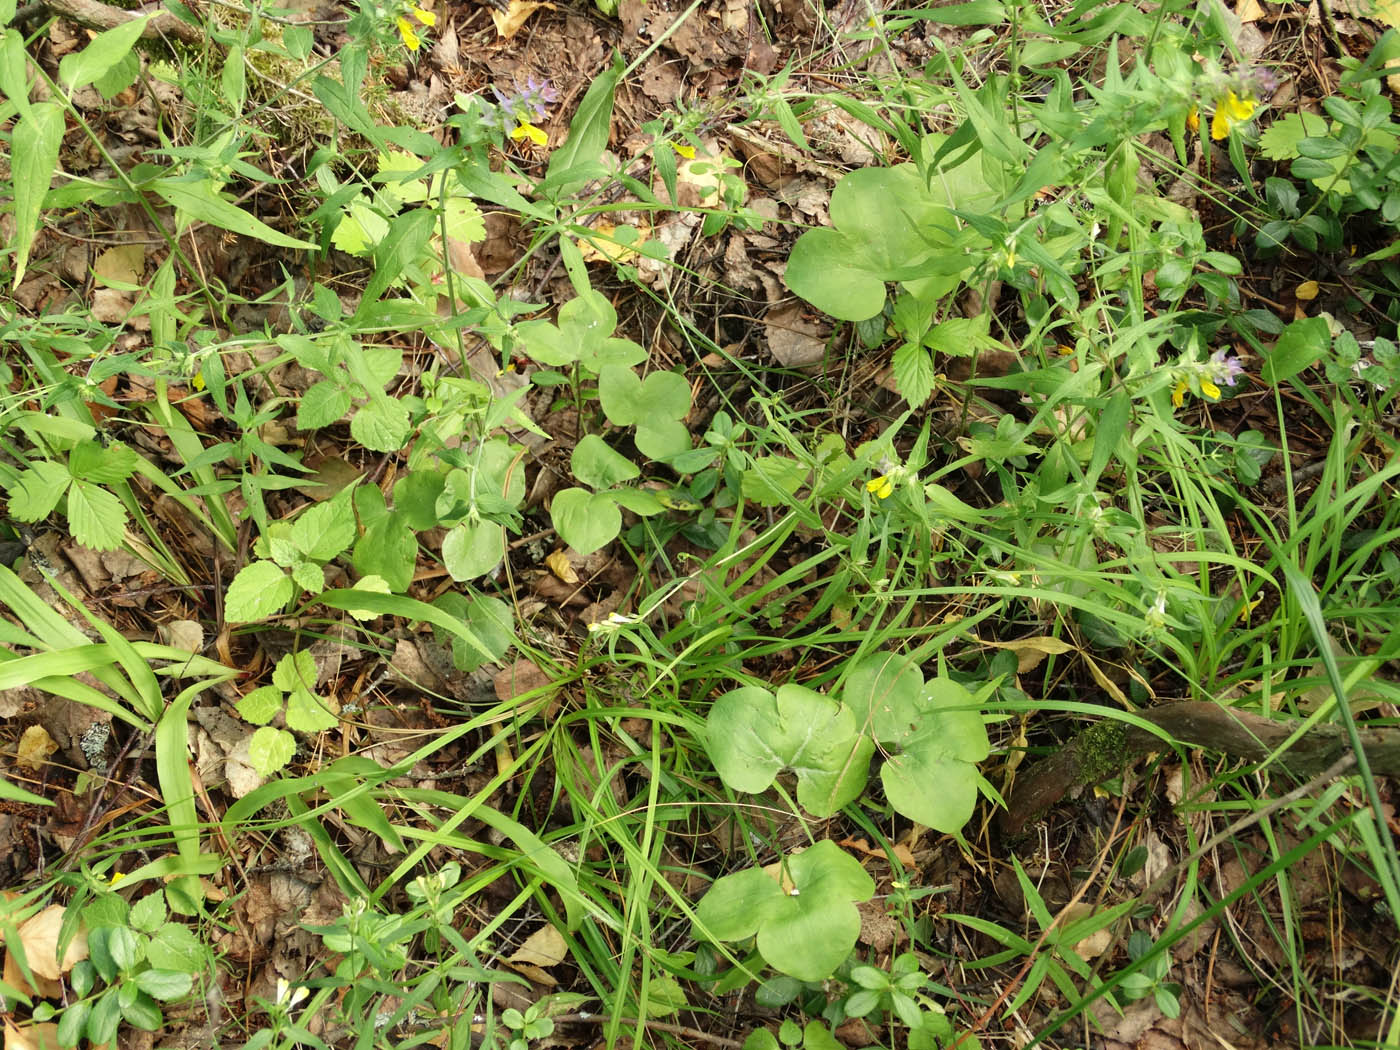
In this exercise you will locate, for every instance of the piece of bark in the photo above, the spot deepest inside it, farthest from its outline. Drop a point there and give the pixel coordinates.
(96, 15)
(1107, 747)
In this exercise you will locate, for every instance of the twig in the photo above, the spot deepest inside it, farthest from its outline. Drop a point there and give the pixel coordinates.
(96, 15)
(660, 1026)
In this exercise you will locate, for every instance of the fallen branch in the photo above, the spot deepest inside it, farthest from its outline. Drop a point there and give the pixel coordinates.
(1106, 747)
(96, 15)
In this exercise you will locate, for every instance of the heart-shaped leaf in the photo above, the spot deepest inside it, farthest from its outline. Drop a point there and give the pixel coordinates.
(934, 735)
(807, 925)
(585, 520)
(627, 399)
(596, 464)
(752, 734)
(473, 549)
(583, 335)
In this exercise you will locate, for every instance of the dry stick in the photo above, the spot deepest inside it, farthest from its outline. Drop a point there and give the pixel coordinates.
(659, 1026)
(97, 15)
(1336, 769)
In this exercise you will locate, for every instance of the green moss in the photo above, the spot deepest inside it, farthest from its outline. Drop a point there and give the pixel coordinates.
(1101, 750)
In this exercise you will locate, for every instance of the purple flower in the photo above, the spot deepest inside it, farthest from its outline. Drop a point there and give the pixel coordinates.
(1224, 369)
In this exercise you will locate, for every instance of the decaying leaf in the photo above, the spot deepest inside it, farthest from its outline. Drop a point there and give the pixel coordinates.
(510, 21)
(544, 947)
(560, 565)
(35, 747)
(1031, 651)
(39, 936)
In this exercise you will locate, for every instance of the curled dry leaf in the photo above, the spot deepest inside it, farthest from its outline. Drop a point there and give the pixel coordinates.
(35, 747)
(39, 936)
(1031, 651)
(510, 21)
(31, 1037)
(544, 947)
(560, 565)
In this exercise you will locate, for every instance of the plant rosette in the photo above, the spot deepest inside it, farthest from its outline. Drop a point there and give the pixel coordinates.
(803, 911)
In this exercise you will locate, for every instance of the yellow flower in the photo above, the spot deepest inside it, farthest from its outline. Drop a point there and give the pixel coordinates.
(526, 130)
(882, 486)
(1179, 394)
(408, 32)
(1210, 390)
(688, 152)
(1230, 111)
(1193, 120)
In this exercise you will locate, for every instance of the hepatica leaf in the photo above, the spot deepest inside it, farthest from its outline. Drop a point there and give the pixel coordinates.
(886, 225)
(806, 925)
(932, 732)
(752, 734)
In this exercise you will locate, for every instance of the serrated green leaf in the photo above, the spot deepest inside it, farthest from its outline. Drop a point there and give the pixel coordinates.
(295, 670)
(1280, 140)
(325, 530)
(260, 590)
(261, 705)
(464, 220)
(270, 749)
(37, 490)
(95, 516)
(323, 403)
(914, 374)
(381, 426)
(308, 713)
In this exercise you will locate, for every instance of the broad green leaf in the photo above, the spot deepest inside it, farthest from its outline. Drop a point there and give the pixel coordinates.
(663, 439)
(914, 374)
(489, 620)
(105, 465)
(260, 590)
(325, 530)
(886, 227)
(416, 496)
(400, 248)
(595, 463)
(295, 671)
(199, 199)
(583, 335)
(323, 403)
(174, 947)
(388, 549)
(309, 713)
(753, 734)
(103, 52)
(260, 706)
(588, 131)
(932, 733)
(37, 490)
(14, 63)
(34, 145)
(772, 480)
(471, 549)
(586, 521)
(165, 985)
(394, 168)
(360, 228)
(382, 425)
(95, 516)
(806, 931)
(270, 749)
(1300, 345)
(463, 220)
(627, 399)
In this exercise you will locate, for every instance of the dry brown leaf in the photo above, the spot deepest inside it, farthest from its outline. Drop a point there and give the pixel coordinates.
(1249, 10)
(1109, 686)
(518, 679)
(560, 565)
(1306, 292)
(185, 635)
(122, 265)
(1031, 651)
(509, 21)
(606, 248)
(34, 749)
(43, 988)
(31, 1037)
(544, 947)
(902, 853)
(39, 935)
